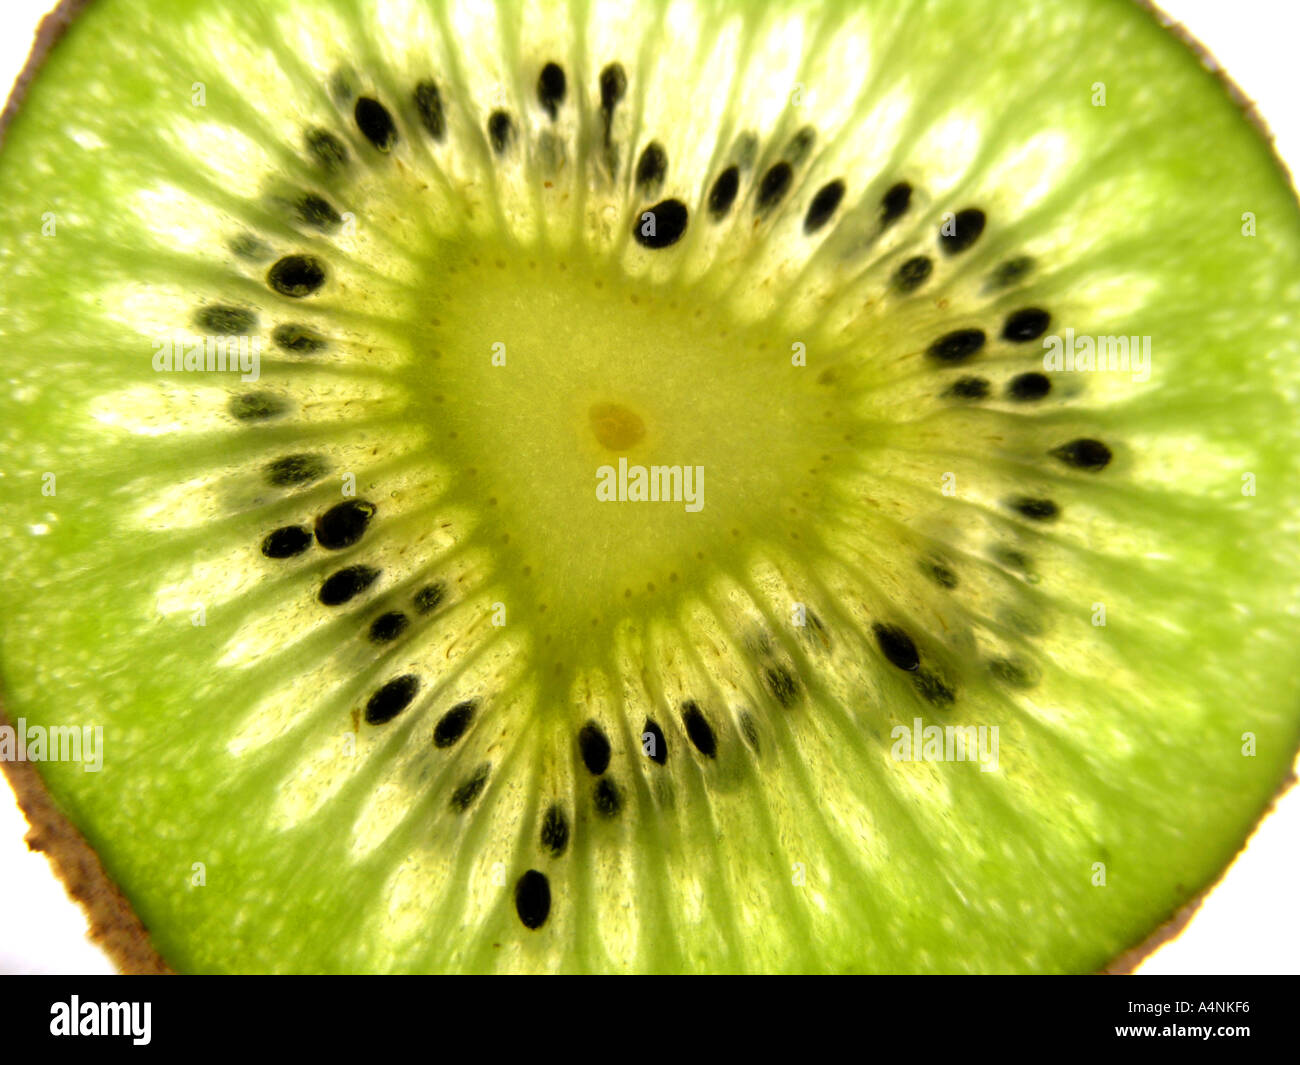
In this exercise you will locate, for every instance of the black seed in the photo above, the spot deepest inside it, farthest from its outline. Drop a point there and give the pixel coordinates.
(940, 574)
(220, 320)
(344, 524)
(328, 150)
(286, 542)
(387, 627)
(452, 725)
(669, 218)
(463, 797)
(651, 167)
(912, 273)
(897, 646)
(1011, 271)
(296, 275)
(1027, 387)
(1027, 324)
(533, 899)
(823, 205)
(800, 145)
(613, 84)
(750, 731)
(594, 747)
(773, 187)
(555, 830)
(297, 339)
(316, 212)
(607, 797)
(375, 123)
(390, 700)
(894, 203)
(1012, 673)
(968, 388)
(428, 105)
(933, 689)
(551, 86)
(699, 731)
(962, 230)
(957, 346)
(658, 752)
(1035, 509)
(501, 131)
(782, 684)
(346, 584)
(1083, 454)
(723, 193)
(428, 598)
(257, 406)
(295, 469)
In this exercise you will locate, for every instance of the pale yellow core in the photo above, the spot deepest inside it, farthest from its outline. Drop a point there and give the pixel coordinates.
(553, 386)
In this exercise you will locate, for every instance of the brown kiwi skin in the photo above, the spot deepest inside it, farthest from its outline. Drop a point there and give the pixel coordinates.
(114, 925)
(50, 31)
(1124, 964)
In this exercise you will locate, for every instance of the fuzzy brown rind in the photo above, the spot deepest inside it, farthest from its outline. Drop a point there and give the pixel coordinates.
(114, 926)
(51, 30)
(1125, 963)
(1244, 103)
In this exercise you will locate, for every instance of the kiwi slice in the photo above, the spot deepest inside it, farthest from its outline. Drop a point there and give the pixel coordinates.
(653, 533)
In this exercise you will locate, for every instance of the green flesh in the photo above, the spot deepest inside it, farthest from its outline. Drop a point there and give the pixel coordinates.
(332, 844)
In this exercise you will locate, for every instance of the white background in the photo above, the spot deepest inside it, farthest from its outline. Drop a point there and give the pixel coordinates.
(1249, 924)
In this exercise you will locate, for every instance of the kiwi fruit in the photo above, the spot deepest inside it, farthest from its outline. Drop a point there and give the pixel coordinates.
(595, 486)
